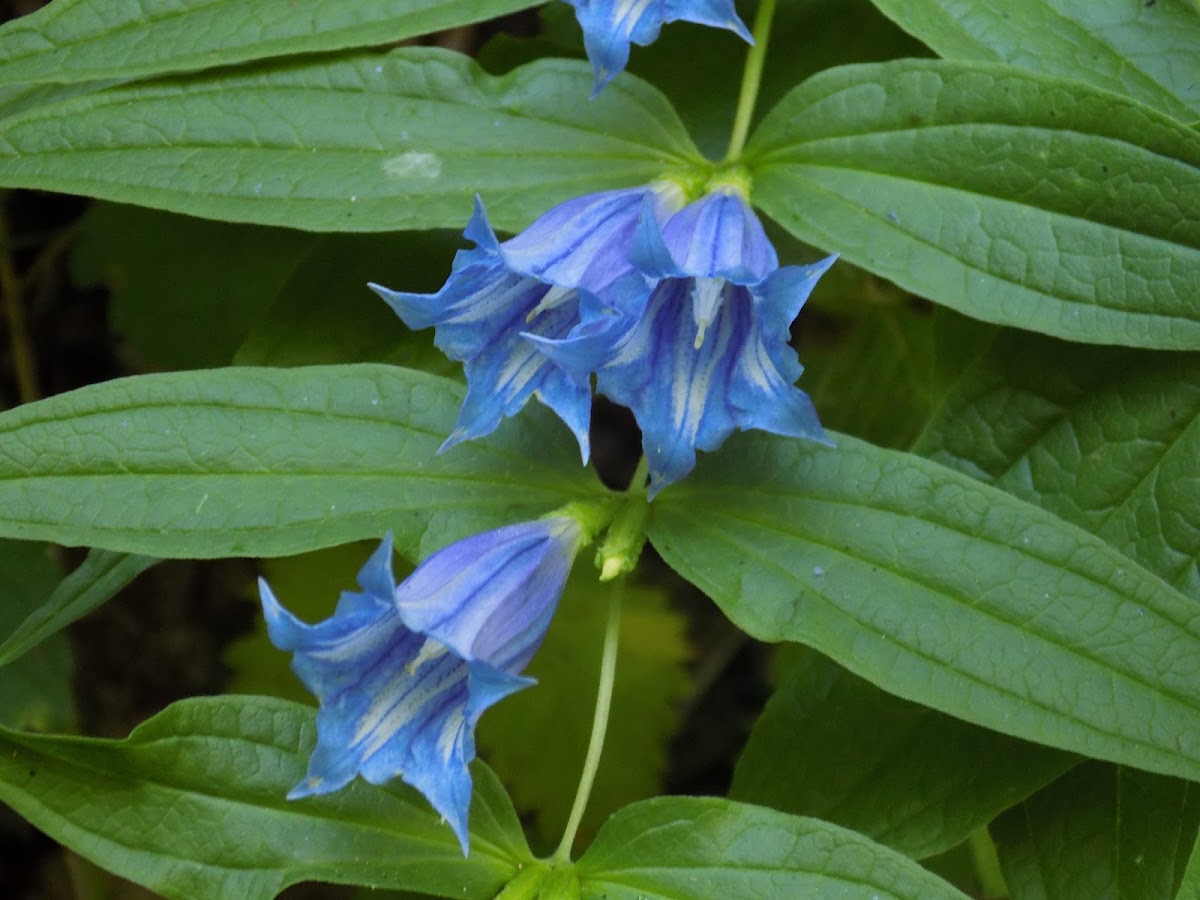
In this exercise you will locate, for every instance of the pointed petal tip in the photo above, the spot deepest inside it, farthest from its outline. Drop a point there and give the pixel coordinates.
(316, 785)
(457, 436)
(459, 827)
(375, 577)
(480, 230)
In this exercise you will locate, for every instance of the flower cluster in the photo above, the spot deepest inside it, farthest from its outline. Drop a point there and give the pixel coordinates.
(403, 673)
(680, 311)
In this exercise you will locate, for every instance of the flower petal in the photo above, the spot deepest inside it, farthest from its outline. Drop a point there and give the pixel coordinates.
(543, 283)
(782, 295)
(580, 243)
(609, 26)
(506, 373)
(675, 389)
(718, 236)
(398, 700)
(491, 596)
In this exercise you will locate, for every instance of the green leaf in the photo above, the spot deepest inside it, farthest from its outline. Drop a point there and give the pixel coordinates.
(1109, 832)
(96, 580)
(536, 740)
(325, 314)
(188, 293)
(692, 848)
(185, 292)
(944, 591)
(543, 881)
(1012, 197)
(83, 40)
(1189, 885)
(272, 462)
(191, 805)
(372, 142)
(1144, 50)
(35, 690)
(832, 746)
(1108, 439)
(884, 402)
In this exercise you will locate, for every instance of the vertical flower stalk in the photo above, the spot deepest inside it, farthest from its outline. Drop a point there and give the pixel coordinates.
(403, 673)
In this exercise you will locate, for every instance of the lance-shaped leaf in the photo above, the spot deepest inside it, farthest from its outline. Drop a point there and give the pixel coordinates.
(191, 805)
(833, 746)
(1189, 885)
(944, 591)
(82, 40)
(1106, 438)
(271, 462)
(96, 580)
(693, 848)
(35, 691)
(1101, 831)
(1144, 50)
(1015, 198)
(371, 142)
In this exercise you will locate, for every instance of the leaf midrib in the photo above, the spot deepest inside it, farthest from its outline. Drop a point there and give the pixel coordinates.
(1157, 750)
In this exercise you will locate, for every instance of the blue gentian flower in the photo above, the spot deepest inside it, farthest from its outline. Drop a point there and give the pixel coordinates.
(609, 26)
(403, 673)
(571, 265)
(710, 352)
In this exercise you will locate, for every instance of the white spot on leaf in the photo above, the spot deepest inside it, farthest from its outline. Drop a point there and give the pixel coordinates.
(412, 165)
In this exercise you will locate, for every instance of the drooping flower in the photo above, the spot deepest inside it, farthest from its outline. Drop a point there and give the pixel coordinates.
(609, 26)
(571, 264)
(403, 673)
(710, 352)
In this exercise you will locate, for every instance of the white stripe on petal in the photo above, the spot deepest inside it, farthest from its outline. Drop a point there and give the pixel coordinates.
(447, 740)
(360, 642)
(693, 378)
(626, 13)
(429, 651)
(406, 698)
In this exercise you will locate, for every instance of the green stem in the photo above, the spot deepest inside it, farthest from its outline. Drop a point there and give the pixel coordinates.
(608, 671)
(751, 78)
(987, 865)
(640, 474)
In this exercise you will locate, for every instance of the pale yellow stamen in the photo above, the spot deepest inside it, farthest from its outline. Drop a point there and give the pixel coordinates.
(706, 296)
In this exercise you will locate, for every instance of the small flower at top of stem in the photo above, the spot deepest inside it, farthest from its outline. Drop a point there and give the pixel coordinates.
(610, 26)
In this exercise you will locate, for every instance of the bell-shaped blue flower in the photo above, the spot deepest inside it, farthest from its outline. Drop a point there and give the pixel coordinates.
(571, 264)
(609, 26)
(710, 352)
(403, 673)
